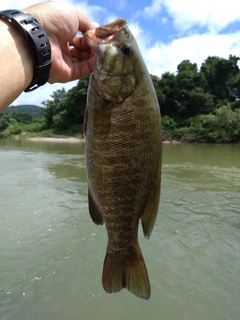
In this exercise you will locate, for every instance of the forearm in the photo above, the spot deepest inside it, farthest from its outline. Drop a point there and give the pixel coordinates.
(71, 56)
(16, 64)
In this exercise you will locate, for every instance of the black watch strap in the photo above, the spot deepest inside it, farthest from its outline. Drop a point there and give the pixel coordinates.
(32, 32)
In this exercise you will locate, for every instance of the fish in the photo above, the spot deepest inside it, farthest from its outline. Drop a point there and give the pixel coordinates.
(123, 148)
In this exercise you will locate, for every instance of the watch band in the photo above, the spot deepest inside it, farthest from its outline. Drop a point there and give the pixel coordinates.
(32, 32)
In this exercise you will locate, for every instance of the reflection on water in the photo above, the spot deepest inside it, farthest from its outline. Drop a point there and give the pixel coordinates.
(52, 253)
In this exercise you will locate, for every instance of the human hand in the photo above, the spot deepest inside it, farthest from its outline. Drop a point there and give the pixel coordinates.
(71, 56)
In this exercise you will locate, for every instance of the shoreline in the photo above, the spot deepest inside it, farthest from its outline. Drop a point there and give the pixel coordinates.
(55, 138)
(74, 140)
(69, 139)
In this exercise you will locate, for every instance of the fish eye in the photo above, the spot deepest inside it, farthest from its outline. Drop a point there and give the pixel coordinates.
(125, 49)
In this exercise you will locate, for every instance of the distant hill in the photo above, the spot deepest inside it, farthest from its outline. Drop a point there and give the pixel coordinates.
(35, 111)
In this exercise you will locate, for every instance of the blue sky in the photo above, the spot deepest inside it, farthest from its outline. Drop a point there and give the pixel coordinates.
(167, 32)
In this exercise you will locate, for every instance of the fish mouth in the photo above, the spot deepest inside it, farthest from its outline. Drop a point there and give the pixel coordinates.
(104, 34)
(110, 28)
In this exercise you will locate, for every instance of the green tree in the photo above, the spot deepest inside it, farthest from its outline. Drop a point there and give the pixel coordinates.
(66, 109)
(168, 128)
(222, 77)
(199, 102)
(8, 126)
(76, 101)
(22, 117)
(166, 89)
(183, 95)
(52, 106)
(191, 97)
(223, 126)
(5, 121)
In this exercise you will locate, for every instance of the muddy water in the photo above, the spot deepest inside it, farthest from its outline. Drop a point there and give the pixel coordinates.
(51, 253)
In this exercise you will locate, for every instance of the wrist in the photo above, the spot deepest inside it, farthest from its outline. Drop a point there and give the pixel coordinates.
(37, 40)
(17, 56)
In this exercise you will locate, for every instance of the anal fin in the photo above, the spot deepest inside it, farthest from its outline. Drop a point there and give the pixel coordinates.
(150, 213)
(94, 210)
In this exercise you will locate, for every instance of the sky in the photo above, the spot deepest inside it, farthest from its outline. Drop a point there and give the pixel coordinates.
(167, 32)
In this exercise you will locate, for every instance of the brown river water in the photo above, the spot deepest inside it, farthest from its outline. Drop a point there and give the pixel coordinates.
(51, 253)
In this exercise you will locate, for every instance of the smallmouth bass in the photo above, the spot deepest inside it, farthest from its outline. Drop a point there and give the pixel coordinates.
(122, 127)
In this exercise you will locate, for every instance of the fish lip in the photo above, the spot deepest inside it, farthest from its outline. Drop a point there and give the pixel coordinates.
(105, 34)
(110, 28)
(94, 42)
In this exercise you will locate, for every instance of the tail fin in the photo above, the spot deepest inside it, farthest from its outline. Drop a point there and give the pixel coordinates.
(126, 272)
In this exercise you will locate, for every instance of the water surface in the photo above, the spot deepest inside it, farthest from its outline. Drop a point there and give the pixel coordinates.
(52, 253)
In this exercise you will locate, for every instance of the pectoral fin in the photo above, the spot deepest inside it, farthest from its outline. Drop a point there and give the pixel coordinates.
(150, 213)
(94, 210)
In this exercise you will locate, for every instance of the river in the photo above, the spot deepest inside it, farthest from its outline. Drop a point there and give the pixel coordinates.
(51, 253)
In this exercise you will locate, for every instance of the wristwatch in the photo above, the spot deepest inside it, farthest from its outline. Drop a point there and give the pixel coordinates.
(34, 34)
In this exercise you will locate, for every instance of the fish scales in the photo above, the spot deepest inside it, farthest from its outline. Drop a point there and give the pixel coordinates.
(123, 154)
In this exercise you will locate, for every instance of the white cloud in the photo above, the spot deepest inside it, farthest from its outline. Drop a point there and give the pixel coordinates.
(160, 57)
(142, 41)
(152, 10)
(136, 30)
(165, 57)
(109, 18)
(93, 12)
(215, 15)
(42, 94)
(121, 4)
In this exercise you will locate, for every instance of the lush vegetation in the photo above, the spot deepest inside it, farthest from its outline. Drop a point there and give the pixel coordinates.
(66, 109)
(196, 105)
(201, 105)
(27, 110)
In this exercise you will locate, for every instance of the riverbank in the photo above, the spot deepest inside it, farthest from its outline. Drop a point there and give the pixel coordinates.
(55, 139)
(69, 139)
